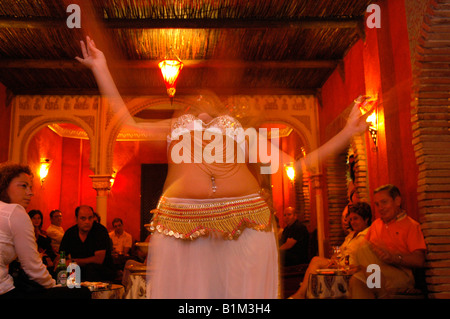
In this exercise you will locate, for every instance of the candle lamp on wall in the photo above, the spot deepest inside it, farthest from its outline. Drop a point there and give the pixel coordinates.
(302, 149)
(370, 104)
(290, 172)
(113, 178)
(43, 169)
(373, 127)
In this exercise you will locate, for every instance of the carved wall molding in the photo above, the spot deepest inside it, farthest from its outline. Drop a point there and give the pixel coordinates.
(298, 112)
(32, 113)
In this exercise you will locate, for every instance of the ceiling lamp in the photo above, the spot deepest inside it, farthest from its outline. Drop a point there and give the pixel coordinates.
(170, 70)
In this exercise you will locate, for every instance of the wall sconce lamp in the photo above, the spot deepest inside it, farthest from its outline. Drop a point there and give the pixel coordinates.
(113, 178)
(170, 70)
(302, 149)
(43, 169)
(370, 103)
(290, 171)
(373, 127)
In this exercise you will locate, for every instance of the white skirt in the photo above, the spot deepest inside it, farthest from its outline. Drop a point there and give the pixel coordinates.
(211, 267)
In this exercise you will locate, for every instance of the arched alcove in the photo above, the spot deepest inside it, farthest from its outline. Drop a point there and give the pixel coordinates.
(66, 147)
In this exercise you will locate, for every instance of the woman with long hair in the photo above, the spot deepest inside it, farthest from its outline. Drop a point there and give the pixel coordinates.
(49, 258)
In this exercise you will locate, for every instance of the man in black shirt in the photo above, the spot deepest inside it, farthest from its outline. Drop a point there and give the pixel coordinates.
(89, 245)
(294, 240)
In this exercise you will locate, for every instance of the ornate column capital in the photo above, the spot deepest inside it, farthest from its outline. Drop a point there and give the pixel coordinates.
(101, 182)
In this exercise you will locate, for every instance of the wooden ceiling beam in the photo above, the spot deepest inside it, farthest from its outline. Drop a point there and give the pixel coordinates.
(153, 64)
(31, 23)
(161, 91)
(304, 23)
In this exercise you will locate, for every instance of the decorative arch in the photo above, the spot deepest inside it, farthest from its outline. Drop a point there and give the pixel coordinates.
(134, 105)
(299, 112)
(33, 113)
(297, 126)
(39, 124)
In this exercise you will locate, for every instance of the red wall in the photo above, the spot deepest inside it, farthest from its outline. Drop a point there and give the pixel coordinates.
(67, 184)
(397, 91)
(381, 65)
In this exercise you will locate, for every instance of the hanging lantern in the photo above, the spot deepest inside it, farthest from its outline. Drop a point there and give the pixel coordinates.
(170, 70)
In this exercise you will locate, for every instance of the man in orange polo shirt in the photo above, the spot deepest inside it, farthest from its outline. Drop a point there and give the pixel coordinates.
(395, 243)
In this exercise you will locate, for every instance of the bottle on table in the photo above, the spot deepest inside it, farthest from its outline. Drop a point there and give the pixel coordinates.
(61, 270)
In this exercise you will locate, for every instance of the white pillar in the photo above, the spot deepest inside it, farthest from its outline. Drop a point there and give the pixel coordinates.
(102, 184)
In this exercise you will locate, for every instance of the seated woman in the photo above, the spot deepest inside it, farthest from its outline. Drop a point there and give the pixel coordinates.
(18, 240)
(360, 218)
(45, 249)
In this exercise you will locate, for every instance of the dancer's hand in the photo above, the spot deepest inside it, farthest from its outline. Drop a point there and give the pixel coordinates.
(92, 57)
(356, 123)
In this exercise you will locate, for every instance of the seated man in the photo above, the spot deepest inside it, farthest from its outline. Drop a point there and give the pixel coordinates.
(121, 240)
(294, 240)
(89, 245)
(55, 231)
(394, 242)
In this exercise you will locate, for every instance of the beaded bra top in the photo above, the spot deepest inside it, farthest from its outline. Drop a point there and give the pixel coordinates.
(224, 165)
(223, 124)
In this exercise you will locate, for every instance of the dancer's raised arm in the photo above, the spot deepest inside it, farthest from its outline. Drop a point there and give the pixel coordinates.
(356, 124)
(95, 60)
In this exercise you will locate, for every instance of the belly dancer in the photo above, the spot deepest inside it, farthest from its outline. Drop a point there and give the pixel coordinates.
(213, 233)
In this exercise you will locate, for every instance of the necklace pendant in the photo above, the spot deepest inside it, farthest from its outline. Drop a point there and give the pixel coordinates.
(213, 181)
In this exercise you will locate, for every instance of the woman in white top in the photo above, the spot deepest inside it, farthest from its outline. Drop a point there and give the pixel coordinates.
(17, 236)
(213, 235)
(360, 218)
